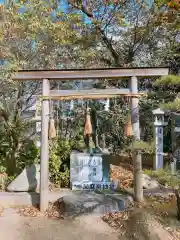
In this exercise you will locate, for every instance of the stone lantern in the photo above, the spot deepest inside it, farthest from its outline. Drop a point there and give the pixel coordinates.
(159, 124)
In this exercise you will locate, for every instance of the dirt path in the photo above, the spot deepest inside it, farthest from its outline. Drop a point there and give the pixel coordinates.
(15, 227)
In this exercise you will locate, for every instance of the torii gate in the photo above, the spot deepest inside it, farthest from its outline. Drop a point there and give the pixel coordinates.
(64, 75)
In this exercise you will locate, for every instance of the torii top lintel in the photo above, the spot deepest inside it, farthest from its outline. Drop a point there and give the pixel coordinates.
(74, 74)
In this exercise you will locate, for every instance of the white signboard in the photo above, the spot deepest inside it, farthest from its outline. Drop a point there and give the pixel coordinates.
(86, 172)
(84, 167)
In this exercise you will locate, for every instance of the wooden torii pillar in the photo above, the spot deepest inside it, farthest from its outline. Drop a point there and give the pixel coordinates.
(44, 158)
(137, 161)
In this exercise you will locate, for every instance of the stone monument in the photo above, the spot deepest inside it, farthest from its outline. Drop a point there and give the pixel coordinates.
(90, 171)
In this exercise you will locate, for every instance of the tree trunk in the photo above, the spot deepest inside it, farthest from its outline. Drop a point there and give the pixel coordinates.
(11, 163)
(14, 136)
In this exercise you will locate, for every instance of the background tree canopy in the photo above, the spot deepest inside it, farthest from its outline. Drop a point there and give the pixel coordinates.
(84, 34)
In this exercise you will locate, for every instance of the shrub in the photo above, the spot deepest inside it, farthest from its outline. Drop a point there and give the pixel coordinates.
(59, 162)
(165, 177)
(29, 154)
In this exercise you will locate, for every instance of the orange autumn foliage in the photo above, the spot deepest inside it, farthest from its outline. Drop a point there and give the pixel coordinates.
(174, 4)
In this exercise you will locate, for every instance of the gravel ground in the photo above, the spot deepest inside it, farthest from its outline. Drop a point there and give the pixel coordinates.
(16, 227)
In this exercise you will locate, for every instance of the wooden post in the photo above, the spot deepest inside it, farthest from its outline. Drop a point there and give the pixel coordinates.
(138, 187)
(44, 168)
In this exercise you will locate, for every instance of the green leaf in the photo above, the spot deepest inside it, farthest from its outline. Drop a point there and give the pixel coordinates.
(168, 80)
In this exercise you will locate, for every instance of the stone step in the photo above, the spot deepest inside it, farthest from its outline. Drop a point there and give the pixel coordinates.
(89, 202)
(123, 200)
